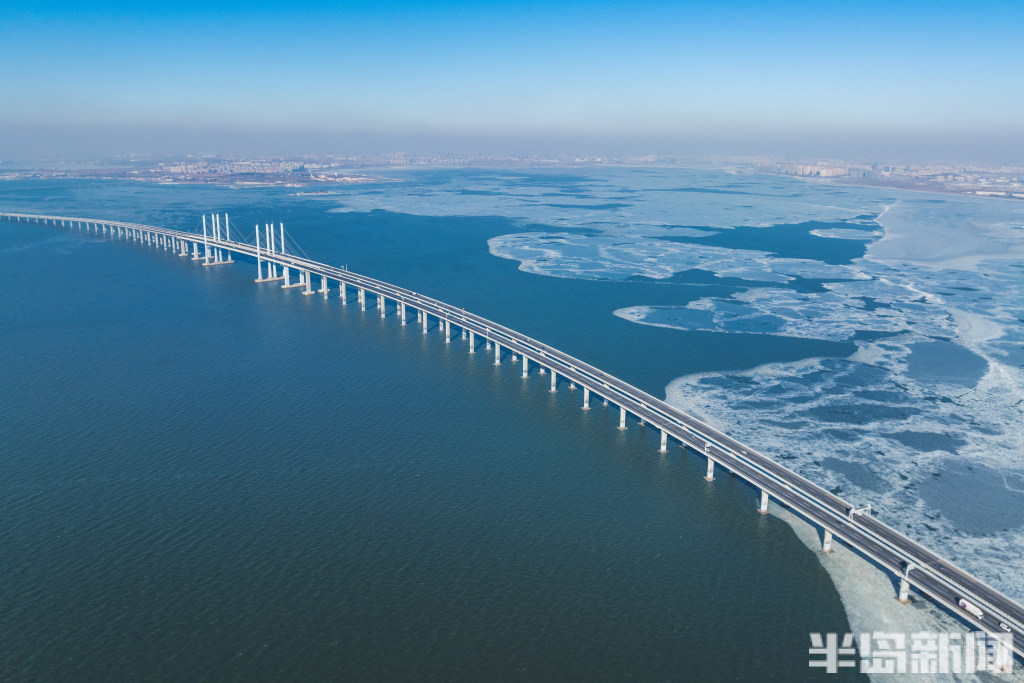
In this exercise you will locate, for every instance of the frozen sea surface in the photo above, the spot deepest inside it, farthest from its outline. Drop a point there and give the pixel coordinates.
(924, 420)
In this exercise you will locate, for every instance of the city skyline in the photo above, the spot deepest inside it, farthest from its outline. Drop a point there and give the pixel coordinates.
(914, 80)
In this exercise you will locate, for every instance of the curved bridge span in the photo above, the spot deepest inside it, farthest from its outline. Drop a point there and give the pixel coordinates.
(909, 562)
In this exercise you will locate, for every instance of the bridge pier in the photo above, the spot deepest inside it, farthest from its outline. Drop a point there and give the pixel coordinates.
(514, 357)
(447, 332)
(425, 321)
(307, 279)
(472, 341)
(763, 509)
(526, 366)
(323, 286)
(487, 346)
(381, 304)
(904, 595)
(195, 251)
(362, 299)
(401, 307)
(288, 279)
(710, 476)
(664, 441)
(344, 292)
(826, 541)
(622, 418)
(586, 398)
(554, 381)
(497, 353)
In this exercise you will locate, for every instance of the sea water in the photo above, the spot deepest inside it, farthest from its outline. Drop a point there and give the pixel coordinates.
(207, 477)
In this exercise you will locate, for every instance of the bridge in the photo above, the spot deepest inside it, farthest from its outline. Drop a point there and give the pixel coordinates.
(908, 562)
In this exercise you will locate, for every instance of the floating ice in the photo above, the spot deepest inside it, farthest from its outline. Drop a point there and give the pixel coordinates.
(940, 286)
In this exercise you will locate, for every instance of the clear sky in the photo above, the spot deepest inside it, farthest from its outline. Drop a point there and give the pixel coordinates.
(852, 78)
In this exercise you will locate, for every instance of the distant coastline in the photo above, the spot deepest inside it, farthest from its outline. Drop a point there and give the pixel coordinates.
(1001, 182)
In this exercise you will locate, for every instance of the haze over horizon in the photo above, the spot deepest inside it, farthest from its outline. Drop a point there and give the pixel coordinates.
(922, 81)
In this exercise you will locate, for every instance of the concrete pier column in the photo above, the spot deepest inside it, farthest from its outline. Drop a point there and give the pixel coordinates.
(195, 251)
(526, 366)
(344, 292)
(622, 417)
(447, 332)
(554, 381)
(425, 320)
(586, 398)
(487, 346)
(472, 342)
(216, 237)
(710, 476)
(515, 358)
(323, 286)
(664, 441)
(826, 542)
(402, 308)
(206, 244)
(463, 331)
(287, 277)
(497, 353)
(382, 305)
(572, 386)
(763, 509)
(362, 299)
(904, 591)
(307, 279)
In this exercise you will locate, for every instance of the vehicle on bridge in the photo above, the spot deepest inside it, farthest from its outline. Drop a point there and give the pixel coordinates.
(970, 608)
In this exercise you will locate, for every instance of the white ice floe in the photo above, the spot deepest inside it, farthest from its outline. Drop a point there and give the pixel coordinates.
(848, 234)
(950, 232)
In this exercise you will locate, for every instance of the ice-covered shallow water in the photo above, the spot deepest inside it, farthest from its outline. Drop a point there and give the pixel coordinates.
(924, 420)
(932, 305)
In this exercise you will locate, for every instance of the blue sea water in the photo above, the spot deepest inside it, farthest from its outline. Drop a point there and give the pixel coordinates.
(205, 478)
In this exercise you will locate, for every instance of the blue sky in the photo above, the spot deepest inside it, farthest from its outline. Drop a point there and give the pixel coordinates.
(747, 77)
